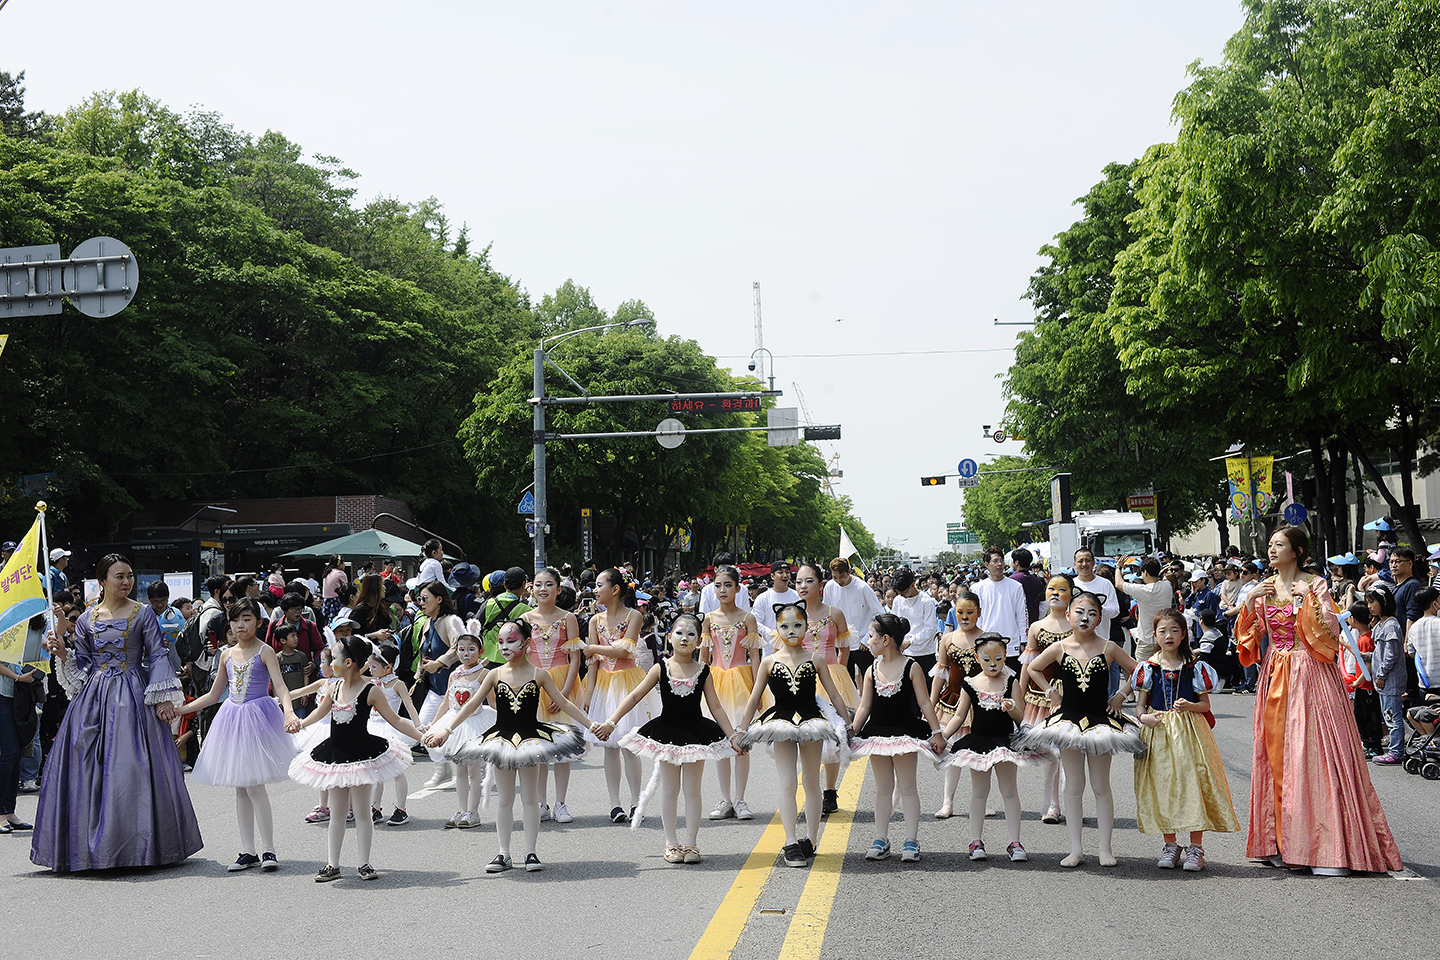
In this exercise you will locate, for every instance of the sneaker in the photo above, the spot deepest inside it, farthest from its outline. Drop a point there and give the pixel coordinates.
(268, 863)
(829, 802)
(500, 864)
(910, 851)
(617, 815)
(318, 815)
(742, 811)
(376, 814)
(454, 820)
(1052, 814)
(467, 820)
(562, 812)
(244, 862)
(674, 854)
(327, 873)
(398, 818)
(632, 816)
(1388, 759)
(725, 811)
(367, 872)
(1017, 853)
(30, 786)
(544, 812)
(879, 850)
(1170, 857)
(533, 864)
(795, 857)
(807, 848)
(1194, 859)
(350, 815)
(692, 854)
(977, 850)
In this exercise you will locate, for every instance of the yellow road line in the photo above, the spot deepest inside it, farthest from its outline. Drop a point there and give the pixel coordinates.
(723, 933)
(812, 914)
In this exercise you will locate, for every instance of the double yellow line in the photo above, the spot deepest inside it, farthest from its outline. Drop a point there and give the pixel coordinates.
(807, 925)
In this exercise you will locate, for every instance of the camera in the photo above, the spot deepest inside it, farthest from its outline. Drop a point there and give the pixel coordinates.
(752, 365)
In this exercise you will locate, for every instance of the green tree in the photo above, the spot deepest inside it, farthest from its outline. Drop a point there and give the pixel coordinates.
(1068, 392)
(996, 509)
(15, 120)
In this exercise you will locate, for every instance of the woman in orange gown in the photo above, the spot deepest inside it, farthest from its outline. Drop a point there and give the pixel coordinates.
(1311, 800)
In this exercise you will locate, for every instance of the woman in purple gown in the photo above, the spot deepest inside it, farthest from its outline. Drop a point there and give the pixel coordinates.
(113, 793)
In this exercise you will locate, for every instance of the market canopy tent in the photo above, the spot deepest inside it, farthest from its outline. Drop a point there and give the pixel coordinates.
(362, 546)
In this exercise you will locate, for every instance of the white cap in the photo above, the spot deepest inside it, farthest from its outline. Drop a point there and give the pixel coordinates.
(57, 553)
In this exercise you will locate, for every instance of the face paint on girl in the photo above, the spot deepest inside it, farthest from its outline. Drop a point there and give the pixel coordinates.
(874, 642)
(966, 614)
(684, 638)
(512, 643)
(1057, 593)
(469, 651)
(1084, 617)
(991, 658)
(791, 628)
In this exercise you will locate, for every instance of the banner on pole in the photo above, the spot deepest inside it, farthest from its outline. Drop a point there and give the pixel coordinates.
(22, 594)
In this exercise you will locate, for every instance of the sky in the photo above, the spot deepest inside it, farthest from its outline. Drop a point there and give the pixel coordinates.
(886, 171)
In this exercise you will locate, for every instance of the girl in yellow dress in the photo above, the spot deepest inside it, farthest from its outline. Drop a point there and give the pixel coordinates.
(555, 644)
(1180, 781)
(726, 639)
(614, 636)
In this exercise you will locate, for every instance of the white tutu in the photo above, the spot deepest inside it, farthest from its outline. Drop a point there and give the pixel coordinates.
(247, 745)
(827, 729)
(1098, 740)
(306, 770)
(517, 752)
(308, 737)
(471, 730)
(890, 747)
(676, 753)
(970, 760)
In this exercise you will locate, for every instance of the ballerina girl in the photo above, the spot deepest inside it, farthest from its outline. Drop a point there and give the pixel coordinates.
(798, 724)
(518, 742)
(828, 635)
(556, 642)
(727, 638)
(956, 661)
(681, 739)
(1038, 705)
(464, 682)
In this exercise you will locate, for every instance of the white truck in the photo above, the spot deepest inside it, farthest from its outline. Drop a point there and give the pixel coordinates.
(1109, 534)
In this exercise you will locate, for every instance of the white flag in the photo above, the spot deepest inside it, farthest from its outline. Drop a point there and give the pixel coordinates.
(847, 549)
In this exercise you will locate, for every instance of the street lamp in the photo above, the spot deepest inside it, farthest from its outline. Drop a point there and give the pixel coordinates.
(771, 368)
(542, 516)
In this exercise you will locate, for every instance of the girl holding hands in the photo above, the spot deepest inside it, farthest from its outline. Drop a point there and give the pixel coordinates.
(614, 634)
(799, 723)
(681, 739)
(726, 639)
(1086, 728)
(518, 742)
(828, 636)
(556, 643)
(956, 662)
(891, 729)
(248, 744)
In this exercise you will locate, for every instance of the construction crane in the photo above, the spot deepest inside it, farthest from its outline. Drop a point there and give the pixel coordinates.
(759, 353)
(832, 459)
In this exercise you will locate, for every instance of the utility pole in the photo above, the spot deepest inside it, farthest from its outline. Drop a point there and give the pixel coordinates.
(759, 338)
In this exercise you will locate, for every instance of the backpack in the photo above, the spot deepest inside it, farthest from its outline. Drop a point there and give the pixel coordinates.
(190, 644)
(487, 623)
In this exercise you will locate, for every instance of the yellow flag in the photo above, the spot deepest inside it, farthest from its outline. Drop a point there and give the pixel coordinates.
(22, 595)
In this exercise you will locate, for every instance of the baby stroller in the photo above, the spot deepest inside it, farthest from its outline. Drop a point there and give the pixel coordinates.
(1422, 754)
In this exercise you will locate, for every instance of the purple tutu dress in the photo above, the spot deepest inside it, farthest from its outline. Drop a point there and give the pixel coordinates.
(113, 794)
(247, 744)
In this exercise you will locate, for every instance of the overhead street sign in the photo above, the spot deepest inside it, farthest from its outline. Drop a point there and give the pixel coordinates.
(964, 482)
(958, 537)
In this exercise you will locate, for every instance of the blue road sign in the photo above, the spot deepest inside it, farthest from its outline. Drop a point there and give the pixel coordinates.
(527, 503)
(1296, 514)
(968, 468)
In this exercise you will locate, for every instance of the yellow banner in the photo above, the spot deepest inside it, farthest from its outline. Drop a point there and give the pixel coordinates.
(22, 594)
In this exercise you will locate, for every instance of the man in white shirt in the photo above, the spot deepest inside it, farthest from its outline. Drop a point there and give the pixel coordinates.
(708, 601)
(1086, 580)
(764, 608)
(1002, 606)
(919, 610)
(858, 602)
(1153, 595)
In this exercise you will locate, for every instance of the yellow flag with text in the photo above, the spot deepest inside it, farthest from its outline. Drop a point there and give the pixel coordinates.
(22, 594)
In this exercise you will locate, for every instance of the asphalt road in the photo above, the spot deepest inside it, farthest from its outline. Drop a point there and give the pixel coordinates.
(606, 892)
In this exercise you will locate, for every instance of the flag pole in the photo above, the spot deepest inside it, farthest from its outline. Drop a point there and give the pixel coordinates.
(40, 507)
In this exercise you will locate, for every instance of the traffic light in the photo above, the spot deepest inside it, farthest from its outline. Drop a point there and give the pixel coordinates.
(932, 481)
(826, 432)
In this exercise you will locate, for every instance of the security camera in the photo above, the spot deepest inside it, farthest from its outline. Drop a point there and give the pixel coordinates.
(752, 364)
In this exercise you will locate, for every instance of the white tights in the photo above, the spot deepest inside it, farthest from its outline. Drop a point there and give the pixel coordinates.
(402, 793)
(890, 773)
(672, 778)
(980, 792)
(357, 798)
(562, 780)
(252, 809)
(1075, 763)
(469, 784)
(809, 755)
(529, 806)
(614, 758)
(742, 776)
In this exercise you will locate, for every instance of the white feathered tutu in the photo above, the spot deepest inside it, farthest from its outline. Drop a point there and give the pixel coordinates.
(611, 689)
(827, 728)
(472, 729)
